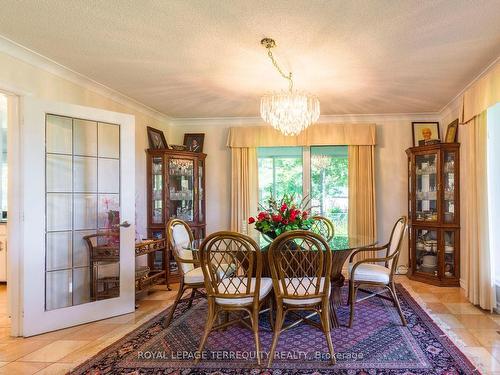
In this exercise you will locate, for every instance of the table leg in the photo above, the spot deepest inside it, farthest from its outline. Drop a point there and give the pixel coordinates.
(337, 284)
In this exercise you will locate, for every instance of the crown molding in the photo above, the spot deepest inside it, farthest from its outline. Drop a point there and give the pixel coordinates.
(31, 57)
(334, 119)
(455, 101)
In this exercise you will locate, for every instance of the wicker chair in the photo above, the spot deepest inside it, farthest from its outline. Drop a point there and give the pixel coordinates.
(180, 237)
(324, 227)
(300, 264)
(366, 273)
(242, 291)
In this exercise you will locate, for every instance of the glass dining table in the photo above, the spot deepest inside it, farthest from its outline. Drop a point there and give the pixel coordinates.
(341, 247)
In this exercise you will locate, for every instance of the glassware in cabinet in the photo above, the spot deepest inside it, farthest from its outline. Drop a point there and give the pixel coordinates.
(157, 190)
(450, 261)
(427, 251)
(426, 187)
(201, 192)
(449, 181)
(181, 186)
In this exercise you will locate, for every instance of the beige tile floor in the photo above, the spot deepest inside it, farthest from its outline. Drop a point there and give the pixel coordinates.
(58, 352)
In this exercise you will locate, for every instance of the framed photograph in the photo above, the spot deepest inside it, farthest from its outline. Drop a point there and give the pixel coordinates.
(452, 132)
(425, 133)
(156, 139)
(194, 141)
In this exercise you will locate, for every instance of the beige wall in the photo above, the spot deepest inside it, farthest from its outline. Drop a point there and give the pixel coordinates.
(17, 75)
(393, 137)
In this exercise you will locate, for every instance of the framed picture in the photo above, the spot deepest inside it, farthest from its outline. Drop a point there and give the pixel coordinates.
(425, 133)
(452, 132)
(194, 142)
(156, 139)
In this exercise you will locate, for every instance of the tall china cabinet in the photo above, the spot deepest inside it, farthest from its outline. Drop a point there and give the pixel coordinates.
(434, 213)
(176, 189)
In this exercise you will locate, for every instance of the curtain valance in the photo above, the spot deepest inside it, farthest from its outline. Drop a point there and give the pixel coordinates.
(481, 95)
(316, 135)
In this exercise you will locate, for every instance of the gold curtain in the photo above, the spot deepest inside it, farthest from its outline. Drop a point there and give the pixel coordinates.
(482, 94)
(244, 186)
(480, 284)
(362, 208)
(315, 135)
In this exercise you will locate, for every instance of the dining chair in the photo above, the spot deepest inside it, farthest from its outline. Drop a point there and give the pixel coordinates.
(180, 238)
(244, 290)
(324, 227)
(300, 263)
(366, 273)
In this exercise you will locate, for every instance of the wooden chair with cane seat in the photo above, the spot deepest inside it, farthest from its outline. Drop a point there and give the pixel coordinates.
(242, 291)
(324, 227)
(180, 238)
(366, 273)
(300, 263)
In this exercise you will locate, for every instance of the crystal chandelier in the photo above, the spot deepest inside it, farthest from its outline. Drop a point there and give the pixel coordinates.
(290, 111)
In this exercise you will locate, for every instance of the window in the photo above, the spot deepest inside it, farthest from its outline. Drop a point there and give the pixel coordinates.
(319, 172)
(329, 196)
(3, 157)
(280, 172)
(493, 160)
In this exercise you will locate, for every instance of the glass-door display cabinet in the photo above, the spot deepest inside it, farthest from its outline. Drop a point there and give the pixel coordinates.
(176, 189)
(433, 212)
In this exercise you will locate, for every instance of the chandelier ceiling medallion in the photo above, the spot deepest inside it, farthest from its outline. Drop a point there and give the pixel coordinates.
(290, 111)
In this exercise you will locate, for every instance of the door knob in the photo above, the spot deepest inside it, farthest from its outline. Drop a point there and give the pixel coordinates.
(125, 224)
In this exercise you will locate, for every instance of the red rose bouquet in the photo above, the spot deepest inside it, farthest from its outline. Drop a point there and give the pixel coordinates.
(282, 216)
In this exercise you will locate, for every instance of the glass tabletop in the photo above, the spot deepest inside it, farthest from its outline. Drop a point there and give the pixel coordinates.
(340, 243)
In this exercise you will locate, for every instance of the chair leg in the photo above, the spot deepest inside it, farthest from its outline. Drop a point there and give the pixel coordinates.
(392, 289)
(325, 322)
(255, 329)
(180, 293)
(278, 323)
(352, 295)
(271, 320)
(212, 316)
(191, 298)
(349, 294)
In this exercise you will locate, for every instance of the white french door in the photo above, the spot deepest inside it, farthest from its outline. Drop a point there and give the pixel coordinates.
(77, 199)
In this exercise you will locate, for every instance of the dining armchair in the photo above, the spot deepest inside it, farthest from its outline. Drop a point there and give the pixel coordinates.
(180, 238)
(367, 273)
(300, 263)
(324, 227)
(244, 290)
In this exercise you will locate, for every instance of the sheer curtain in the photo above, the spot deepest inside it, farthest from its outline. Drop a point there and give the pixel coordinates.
(477, 252)
(362, 207)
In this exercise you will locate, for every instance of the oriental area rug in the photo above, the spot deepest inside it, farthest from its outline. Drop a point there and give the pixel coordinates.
(377, 344)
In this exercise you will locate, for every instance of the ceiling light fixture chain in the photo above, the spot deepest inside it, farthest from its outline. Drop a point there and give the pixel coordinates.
(290, 111)
(270, 43)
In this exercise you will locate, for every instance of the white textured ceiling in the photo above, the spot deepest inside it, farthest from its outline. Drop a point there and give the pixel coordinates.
(203, 58)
